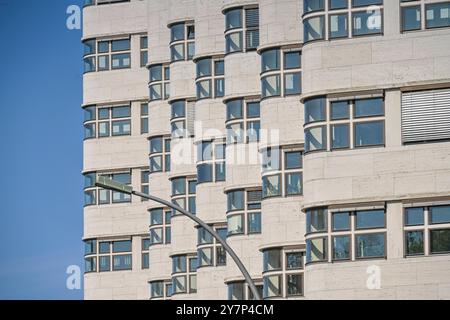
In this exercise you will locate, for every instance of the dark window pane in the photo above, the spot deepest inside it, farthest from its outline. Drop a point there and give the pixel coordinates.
(177, 32)
(294, 284)
(120, 45)
(440, 214)
(156, 73)
(338, 4)
(313, 5)
(315, 110)
(370, 245)
(233, 19)
(272, 260)
(437, 15)
(294, 260)
(122, 262)
(293, 160)
(219, 68)
(314, 28)
(204, 67)
(178, 109)
(235, 200)
(234, 109)
(440, 241)
(294, 183)
(121, 112)
(254, 222)
(315, 139)
(367, 22)
(204, 173)
(104, 263)
(292, 83)
(338, 26)
(341, 248)
(220, 171)
(233, 42)
(270, 60)
(122, 246)
(414, 242)
(253, 110)
(316, 220)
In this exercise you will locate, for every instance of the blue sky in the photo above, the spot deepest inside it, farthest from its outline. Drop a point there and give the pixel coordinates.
(41, 159)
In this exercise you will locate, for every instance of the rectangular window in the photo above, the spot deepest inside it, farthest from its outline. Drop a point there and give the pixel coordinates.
(233, 42)
(122, 262)
(235, 224)
(316, 220)
(339, 110)
(314, 28)
(271, 186)
(292, 83)
(414, 216)
(122, 246)
(235, 200)
(205, 256)
(369, 107)
(341, 221)
(338, 26)
(254, 222)
(272, 286)
(294, 285)
(270, 86)
(294, 183)
(294, 260)
(340, 136)
(367, 22)
(315, 139)
(272, 260)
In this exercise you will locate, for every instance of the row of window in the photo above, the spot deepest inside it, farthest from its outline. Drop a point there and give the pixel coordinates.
(343, 124)
(103, 55)
(98, 196)
(437, 15)
(182, 118)
(358, 20)
(104, 121)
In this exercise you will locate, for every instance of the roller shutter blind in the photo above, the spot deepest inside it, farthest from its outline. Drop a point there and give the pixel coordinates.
(425, 116)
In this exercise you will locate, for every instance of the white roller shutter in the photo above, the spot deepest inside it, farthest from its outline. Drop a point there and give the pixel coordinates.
(425, 115)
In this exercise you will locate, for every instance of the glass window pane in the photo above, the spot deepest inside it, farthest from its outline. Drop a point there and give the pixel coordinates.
(294, 260)
(339, 110)
(235, 200)
(369, 107)
(104, 196)
(235, 224)
(203, 89)
(190, 50)
(272, 260)
(411, 18)
(178, 109)
(292, 60)
(270, 86)
(104, 263)
(221, 255)
(271, 186)
(89, 64)
(233, 42)
(89, 113)
(233, 19)
(156, 217)
(341, 221)
(313, 5)
(219, 68)
(156, 145)
(370, 219)
(103, 46)
(89, 47)
(179, 284)
(316, 220)
(341, 248)
(271, 159)
(236, 291)
(177, 52)
(120, 45)
(369, 133)
(156, 73)
(439, 214)
(414, 242)
(293, 160)
(272, 286)
(292, 83)
(235, 133)
(270, 60)
(177, 32)
(219, 87)
(254, 222)
(440, 241)
(340, 136)
(90, 247)
(156, 164)
(121, 128)
(370, 245)
(205, 257)
(438, 15)
(414, 216)
(89, 131)
(103, 129)
(294, 183)
(314, 28)
(315, 139)
(190, 30)
(104, 247)
(338, 4)
(120, 61)
(204, 67)
(220, 171)
(315, 110)
(234, 109)
(338, 26)
(253, 131)
(178, 186)
(103, 63)
(294, 284)
(121, 112)
(204, 173)
(367, 22)
(253, 109)
(122, 246)
(316, 250)
(156, 236)
(122, 262)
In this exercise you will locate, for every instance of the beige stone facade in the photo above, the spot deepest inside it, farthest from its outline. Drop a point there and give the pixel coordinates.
(308, 132)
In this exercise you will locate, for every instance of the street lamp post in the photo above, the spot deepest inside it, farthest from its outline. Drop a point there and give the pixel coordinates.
(106, 183)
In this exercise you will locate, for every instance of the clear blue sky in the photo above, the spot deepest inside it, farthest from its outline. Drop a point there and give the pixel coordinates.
(41, 159)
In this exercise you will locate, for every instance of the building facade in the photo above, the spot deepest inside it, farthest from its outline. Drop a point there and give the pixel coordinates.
(312, 134)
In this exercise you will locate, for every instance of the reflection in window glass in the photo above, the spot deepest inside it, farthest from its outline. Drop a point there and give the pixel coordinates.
(440, 241)
(314, 28)
(440, 214)
(270, 86)
(414, 216)
(369, 133)
(338, 26)
(370, 245)
(411, 18)
(366, 22)
(438, 15)
(315, 139)
(414, 242)
(316, 250)
(233, 42)
(340, 136)
(292, 83)
(271, 186)
(341, 248)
